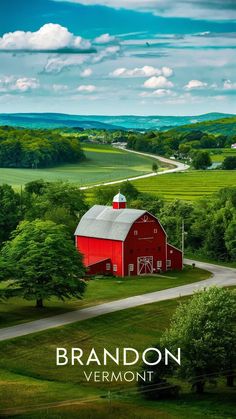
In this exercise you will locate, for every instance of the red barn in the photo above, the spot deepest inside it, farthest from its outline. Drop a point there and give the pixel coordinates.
(121, 241)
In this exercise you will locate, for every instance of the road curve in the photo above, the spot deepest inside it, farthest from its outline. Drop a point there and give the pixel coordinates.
(221, 276)
(179, 167)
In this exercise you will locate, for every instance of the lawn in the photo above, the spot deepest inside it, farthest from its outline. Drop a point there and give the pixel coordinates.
(17, 310)
(30, 379)
(104, 164)
(189, 186)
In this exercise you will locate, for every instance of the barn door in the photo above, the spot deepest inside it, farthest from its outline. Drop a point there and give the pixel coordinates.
(145, 265)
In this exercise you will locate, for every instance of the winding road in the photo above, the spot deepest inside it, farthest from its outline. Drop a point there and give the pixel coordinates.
(221, 276)
(178, 167)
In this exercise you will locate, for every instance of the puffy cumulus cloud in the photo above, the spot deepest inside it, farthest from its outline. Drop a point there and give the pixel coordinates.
(106, 38)
(86, 88)
(159, 82)
(145, 71)
(21, 84)
(195, 84)
(208, 10)
(50, 37)
(229, 85)
(87, 72)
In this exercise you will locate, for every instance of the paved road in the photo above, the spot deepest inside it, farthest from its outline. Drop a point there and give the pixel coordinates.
(178, 167)
(221, 276)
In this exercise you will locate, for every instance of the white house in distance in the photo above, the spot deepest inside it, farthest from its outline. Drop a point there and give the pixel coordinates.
(233, 146)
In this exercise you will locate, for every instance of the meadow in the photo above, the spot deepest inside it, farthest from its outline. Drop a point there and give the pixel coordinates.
(31, 386)
(104, 163)
(219, 154)
(189, 186)
(17, 310)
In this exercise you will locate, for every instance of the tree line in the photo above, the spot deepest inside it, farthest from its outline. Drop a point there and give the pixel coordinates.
(24, 148)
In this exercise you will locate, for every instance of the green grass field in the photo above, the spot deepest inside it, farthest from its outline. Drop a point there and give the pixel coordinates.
(218, 155)
(188, 186)
(17, 310)
(30, 380)
(104, 164)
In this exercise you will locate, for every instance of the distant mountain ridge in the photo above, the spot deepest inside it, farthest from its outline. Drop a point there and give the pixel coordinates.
(127, 122)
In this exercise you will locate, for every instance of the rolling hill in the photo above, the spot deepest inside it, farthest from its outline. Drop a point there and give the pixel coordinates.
(126, 122)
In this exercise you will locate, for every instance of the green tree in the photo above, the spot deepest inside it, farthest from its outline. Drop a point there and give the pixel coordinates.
(42, 262)
(10, 211)
(201, 160)
(229, 163)
(204, 329)
(154, 167)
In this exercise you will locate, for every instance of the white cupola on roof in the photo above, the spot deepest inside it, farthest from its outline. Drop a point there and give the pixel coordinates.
(119, 201)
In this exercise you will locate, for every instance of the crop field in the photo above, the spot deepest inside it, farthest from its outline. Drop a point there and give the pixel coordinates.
(30, 379)
(188, 186)
(103, 164)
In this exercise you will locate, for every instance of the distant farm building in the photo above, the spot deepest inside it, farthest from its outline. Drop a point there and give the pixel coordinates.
(233, 145)
(122, 242)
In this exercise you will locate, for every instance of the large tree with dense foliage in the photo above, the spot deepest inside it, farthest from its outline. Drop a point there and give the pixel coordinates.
(10, 211)
(41, 261)
(204, 329)
(201, 160)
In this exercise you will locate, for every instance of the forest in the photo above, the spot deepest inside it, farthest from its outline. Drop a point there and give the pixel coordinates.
(25, 148)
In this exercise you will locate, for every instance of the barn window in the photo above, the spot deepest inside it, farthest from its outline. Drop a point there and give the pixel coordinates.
(108, 266)
(155, 230)
(168, 263)
(115, 268)
(135, 232)
(159, 263)
(131, 267)
(171, 251)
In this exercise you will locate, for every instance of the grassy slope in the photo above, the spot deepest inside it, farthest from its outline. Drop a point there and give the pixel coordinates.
(218, 155)
(29, 376)
(104, 164)
(189, 185)
(225, 126)
(99, 291)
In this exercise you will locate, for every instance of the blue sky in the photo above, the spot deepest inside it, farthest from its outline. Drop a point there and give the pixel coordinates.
(145, 57)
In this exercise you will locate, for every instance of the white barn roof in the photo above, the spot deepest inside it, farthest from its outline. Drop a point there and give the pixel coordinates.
(106, 223)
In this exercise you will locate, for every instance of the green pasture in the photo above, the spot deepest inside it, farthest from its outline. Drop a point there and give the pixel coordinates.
(218, 155)
(103, 164)
(32, 386)
(189, 186)
(17, 310)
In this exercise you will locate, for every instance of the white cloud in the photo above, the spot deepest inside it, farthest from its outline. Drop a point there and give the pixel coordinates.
(21, 84)
(106, 38)
(211, 10)
(107, 53)
(159, 82)
(229, 85)
(145, 71)
(158, 92)
(59, 88)
(167, 71)
(87, 72)
(87, 88)
(195, 84)
(50, 36)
